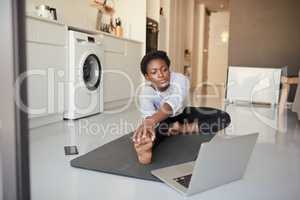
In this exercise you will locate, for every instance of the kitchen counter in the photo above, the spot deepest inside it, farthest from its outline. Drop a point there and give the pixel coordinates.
(80, 29)
(96, 32)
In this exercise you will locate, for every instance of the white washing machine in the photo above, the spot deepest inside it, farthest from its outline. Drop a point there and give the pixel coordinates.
(84, 85)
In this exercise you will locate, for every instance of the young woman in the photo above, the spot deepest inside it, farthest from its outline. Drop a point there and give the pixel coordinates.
(163, 103)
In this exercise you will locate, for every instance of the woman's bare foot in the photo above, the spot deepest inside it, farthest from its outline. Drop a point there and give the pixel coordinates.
(144, 150)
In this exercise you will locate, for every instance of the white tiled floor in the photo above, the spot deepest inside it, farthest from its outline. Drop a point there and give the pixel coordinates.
(273, 171)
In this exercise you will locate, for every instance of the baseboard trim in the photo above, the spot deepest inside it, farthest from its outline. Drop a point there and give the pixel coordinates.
(45, 120)
(115, 104)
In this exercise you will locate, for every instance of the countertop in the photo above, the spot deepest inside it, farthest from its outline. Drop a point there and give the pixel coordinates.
(96, 32)
(77, 28)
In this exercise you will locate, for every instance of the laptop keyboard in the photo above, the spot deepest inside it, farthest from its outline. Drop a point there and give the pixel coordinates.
(184, 180)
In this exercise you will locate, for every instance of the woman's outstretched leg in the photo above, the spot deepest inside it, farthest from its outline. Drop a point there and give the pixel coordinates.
(200, 120)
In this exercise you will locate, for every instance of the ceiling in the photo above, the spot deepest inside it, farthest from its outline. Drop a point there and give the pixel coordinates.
(215, 5)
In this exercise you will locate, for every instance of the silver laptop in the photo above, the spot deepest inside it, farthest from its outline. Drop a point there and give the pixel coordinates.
(224, 159)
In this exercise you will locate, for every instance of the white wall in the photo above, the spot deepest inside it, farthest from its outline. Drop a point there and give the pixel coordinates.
(164, 26)
(218, 47)
(198, 45)
(80, 13)
(153, 7)
(72, 12)
(189, 23)
(133, 13)
(177, 32)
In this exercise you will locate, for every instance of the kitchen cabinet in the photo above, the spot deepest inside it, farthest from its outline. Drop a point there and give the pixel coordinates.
(47, 60)
(122, 74)
(46, 44)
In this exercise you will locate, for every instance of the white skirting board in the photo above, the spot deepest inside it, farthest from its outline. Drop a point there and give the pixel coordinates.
(45, 120)
(117, 105)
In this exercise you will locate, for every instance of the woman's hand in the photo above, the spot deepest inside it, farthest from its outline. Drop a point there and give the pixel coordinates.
(145, 130)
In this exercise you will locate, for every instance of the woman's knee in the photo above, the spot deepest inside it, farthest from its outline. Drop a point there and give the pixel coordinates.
(215, 123)
(225, 118)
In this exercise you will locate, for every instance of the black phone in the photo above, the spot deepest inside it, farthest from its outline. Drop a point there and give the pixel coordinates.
(71, 150)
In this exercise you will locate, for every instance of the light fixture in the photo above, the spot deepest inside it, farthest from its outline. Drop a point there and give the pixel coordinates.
(224, 36)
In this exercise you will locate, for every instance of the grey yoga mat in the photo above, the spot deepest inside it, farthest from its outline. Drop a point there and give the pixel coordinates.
(119, 157)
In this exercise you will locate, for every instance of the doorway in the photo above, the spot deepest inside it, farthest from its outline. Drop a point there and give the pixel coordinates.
(200, 55)
(210, 57)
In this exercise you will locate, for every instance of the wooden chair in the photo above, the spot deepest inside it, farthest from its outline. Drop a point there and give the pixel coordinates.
(296, 104)
(286, 84)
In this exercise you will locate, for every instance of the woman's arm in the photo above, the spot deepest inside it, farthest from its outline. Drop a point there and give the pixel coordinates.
(163, 113)
(179, 93)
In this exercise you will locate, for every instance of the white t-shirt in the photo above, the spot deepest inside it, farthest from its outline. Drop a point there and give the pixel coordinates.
(176, 95)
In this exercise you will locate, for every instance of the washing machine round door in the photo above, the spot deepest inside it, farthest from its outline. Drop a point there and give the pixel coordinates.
(92, 72)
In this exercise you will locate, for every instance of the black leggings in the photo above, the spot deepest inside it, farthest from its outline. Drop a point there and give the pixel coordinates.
(210, 121)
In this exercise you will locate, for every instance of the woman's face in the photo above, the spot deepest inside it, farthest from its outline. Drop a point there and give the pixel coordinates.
(158, 74)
